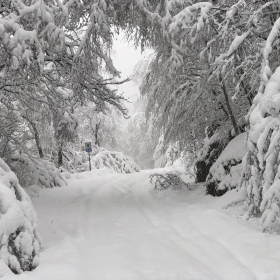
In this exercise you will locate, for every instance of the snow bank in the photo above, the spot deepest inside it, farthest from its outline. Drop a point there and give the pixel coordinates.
(19, 240)
(32, 171)
(262, 170)
(226, 172)
(88, 174)
(116, 161)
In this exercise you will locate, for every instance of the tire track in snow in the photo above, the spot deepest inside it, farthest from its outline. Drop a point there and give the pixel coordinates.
(115, 227)
(193, 249)
(197, 242)
(172, 236)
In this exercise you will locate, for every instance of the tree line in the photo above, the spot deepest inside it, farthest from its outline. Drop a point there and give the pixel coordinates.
(212, 65)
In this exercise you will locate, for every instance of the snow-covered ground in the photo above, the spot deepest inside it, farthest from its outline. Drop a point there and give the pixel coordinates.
(106, 226)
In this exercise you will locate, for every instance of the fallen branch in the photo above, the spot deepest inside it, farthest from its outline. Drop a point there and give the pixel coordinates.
(233, 203)
(164, 181)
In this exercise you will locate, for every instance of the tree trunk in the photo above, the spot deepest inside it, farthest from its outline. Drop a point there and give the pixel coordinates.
(230, 111)
(97, 126)
(220, 104)
(96, 138)
(60, 155)
(38, 143)
(240, 58)
(246, 93)
(36, 136)
(201, 171)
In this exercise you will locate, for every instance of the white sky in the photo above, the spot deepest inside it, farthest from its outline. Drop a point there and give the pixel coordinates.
(125, 57)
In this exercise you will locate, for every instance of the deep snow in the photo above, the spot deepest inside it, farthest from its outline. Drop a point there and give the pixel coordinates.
(227, 170)
(116, 227)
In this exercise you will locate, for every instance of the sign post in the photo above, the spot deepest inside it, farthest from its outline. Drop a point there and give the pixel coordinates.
(88, 150)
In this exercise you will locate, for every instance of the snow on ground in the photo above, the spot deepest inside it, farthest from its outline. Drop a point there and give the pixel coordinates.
(107, 226)
(226, 172)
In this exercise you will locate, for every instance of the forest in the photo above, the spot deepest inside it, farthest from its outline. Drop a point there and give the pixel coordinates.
(208, 110)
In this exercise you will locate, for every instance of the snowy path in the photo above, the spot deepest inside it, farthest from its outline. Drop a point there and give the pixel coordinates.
(115, 227)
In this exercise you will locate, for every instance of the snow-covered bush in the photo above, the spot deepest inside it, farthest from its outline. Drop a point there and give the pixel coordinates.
(32, 171)
(167, 180)
(116, 161)
(261, 175)
(19, 240)
(75, 161)
(226, 172)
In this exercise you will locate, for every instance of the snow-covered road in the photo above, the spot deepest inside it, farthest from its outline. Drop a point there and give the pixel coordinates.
(116, 227)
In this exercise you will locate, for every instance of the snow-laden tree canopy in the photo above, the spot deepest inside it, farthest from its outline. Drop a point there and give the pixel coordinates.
(207, 55)
(211, 59)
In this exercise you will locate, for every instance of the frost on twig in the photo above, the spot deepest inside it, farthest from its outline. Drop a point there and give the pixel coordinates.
(165, 181)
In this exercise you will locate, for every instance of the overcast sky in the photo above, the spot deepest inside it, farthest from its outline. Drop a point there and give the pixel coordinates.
(125, 58)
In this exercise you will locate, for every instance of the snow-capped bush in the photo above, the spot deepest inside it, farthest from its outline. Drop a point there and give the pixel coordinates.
(19, 240)
(32, 171)
(261, 175)
(75, 158)
(226, 172)
(76, 161)
(116, 161)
